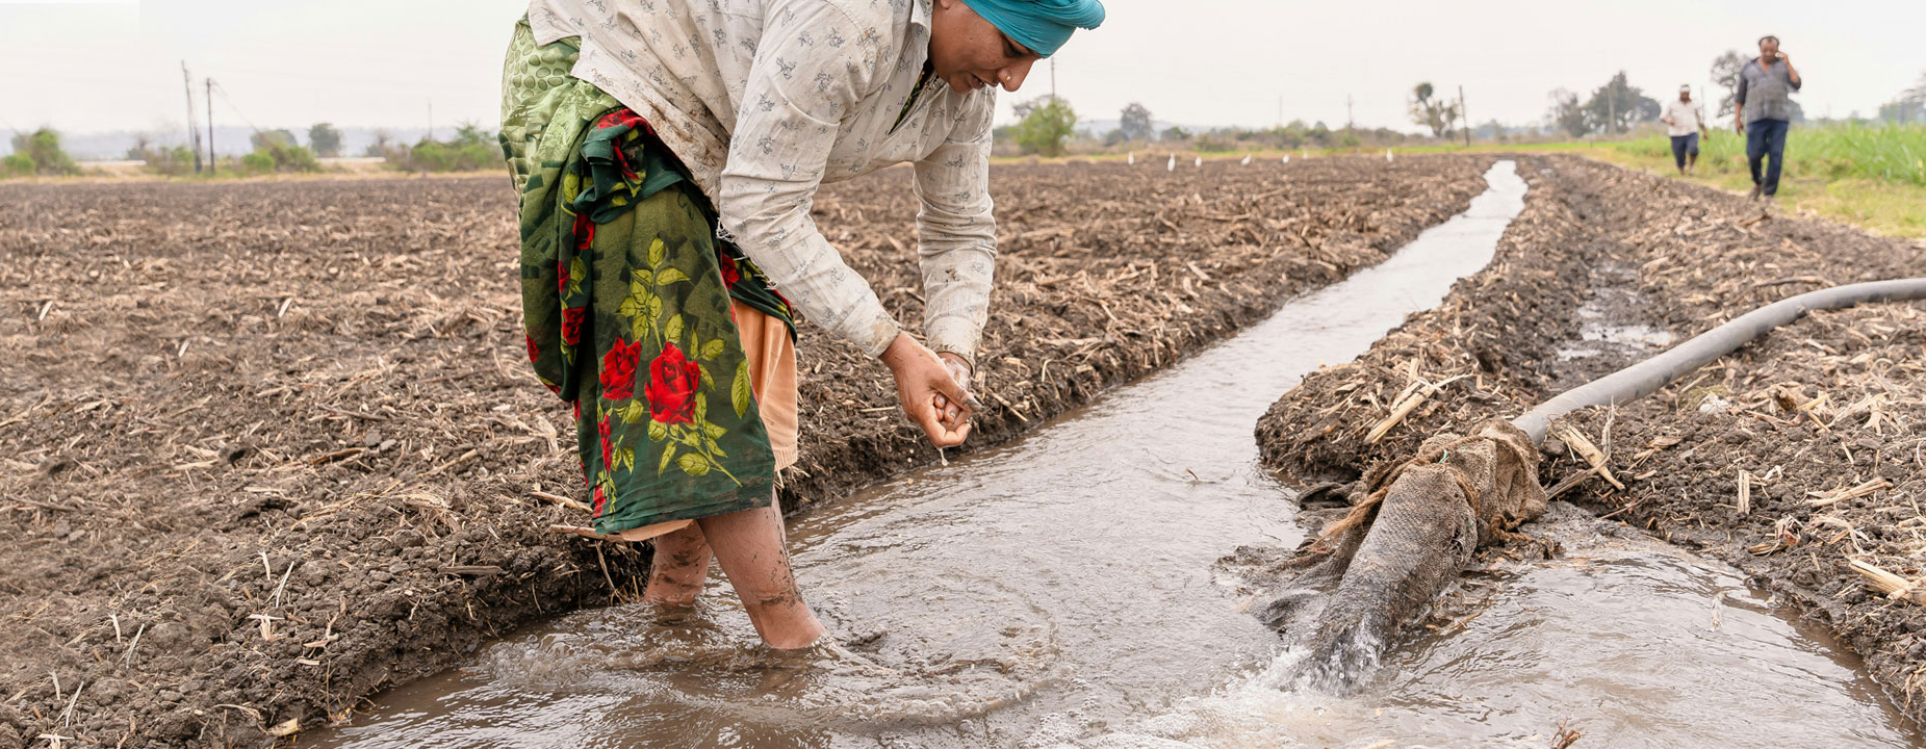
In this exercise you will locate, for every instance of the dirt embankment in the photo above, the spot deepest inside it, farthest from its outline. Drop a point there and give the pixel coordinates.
(268, 448)
(1822, 422)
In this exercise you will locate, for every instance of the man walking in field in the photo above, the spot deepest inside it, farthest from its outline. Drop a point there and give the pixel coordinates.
(1764, 112)
(1684, 120)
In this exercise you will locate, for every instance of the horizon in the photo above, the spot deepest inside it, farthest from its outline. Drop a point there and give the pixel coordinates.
(357, 64)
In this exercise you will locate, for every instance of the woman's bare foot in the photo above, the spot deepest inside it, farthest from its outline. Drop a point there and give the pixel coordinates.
(754, 553)
(679, 568)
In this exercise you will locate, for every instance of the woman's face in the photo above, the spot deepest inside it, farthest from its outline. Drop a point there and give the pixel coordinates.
(969, 53)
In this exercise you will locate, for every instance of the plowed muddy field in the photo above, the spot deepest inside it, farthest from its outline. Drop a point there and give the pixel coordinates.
(268, 448)
(1797, 459)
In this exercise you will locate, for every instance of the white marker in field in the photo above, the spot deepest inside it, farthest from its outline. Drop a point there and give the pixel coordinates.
(1130, 159)
(1387, 156)
(1172, 166)
(1304, 154)
(1287, 158)
(1247, 159)
(1200, 162)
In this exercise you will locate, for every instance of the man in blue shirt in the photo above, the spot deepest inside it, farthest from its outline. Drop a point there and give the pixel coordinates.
(1764, 112)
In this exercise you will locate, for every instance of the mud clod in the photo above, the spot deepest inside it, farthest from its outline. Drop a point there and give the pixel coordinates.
(1815, 414)
(329, 373)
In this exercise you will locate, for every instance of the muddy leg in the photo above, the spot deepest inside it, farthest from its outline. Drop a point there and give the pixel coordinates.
(680, 566)
(754, 553)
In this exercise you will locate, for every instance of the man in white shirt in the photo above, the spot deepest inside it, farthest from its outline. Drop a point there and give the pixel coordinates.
(1685, 120)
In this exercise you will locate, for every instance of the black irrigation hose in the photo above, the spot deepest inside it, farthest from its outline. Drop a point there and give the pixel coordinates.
(1647, 376)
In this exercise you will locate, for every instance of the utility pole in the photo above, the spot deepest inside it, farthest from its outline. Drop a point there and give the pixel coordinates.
(1611, 106)
(213, 163)
(1053, 79)
(1464, 115)
(431, 119)
(193, 133)
(1350, 119)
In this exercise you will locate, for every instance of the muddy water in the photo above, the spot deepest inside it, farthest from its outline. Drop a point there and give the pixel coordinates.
(1060, 591)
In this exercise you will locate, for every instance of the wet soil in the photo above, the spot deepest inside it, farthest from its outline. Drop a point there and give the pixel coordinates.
(1607, 266)
(268, 448)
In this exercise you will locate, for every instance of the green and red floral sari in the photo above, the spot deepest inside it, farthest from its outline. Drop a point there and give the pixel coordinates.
(626, 295)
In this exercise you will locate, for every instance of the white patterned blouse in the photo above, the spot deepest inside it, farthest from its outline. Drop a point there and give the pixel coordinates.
(764, 100)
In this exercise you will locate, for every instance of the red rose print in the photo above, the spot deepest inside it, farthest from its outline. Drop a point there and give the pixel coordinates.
(672, 386)
(599, 501)
(561, 279)
(621, 117)
(730, 274)
(618, 370)
(572, 324)
(584, 232)
(608, 449)
(534, 351)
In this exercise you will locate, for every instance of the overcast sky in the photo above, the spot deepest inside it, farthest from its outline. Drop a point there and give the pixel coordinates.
(95, 66)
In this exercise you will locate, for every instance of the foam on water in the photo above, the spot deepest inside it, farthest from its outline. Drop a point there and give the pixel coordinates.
(1062, 591)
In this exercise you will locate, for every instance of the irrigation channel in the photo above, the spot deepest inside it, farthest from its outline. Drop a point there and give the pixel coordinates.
(1064, 591)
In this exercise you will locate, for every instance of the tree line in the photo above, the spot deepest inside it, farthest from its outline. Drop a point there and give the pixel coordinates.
(1047, 125)
(277, 150)
(1617, 106)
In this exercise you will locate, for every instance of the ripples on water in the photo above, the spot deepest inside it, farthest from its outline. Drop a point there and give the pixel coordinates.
(1059, 592)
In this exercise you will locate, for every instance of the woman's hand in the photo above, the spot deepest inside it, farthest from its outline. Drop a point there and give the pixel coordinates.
(931, 395)
(960, 372)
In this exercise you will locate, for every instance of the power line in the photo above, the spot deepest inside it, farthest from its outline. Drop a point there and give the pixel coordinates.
(222, 90)
(193, 134)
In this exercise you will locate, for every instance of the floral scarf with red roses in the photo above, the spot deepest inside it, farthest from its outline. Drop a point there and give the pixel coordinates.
(626, 295)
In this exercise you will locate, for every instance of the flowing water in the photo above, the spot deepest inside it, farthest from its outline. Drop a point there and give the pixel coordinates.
(1061, 591)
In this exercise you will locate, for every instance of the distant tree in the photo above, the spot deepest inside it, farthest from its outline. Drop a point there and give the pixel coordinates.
(1114, 137)
(174, 161)
(1565, 113)
(1910, 106)
(274, 156)
(265, 138)
(324, 139)
(38, 152)
(1903, 112)
(383, 141)
(1214, 141)
(1916, 96)
(471, 133)
(1022, 109)
(142, 144)
(1319, 135)
(1725, 73)
(1176, 132)
(1492, 130)
(1432, 112)
(1046, 124)
(1617, 105)
(1135, 122)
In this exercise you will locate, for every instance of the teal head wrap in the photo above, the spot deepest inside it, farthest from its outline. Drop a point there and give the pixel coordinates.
(1041, 25)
